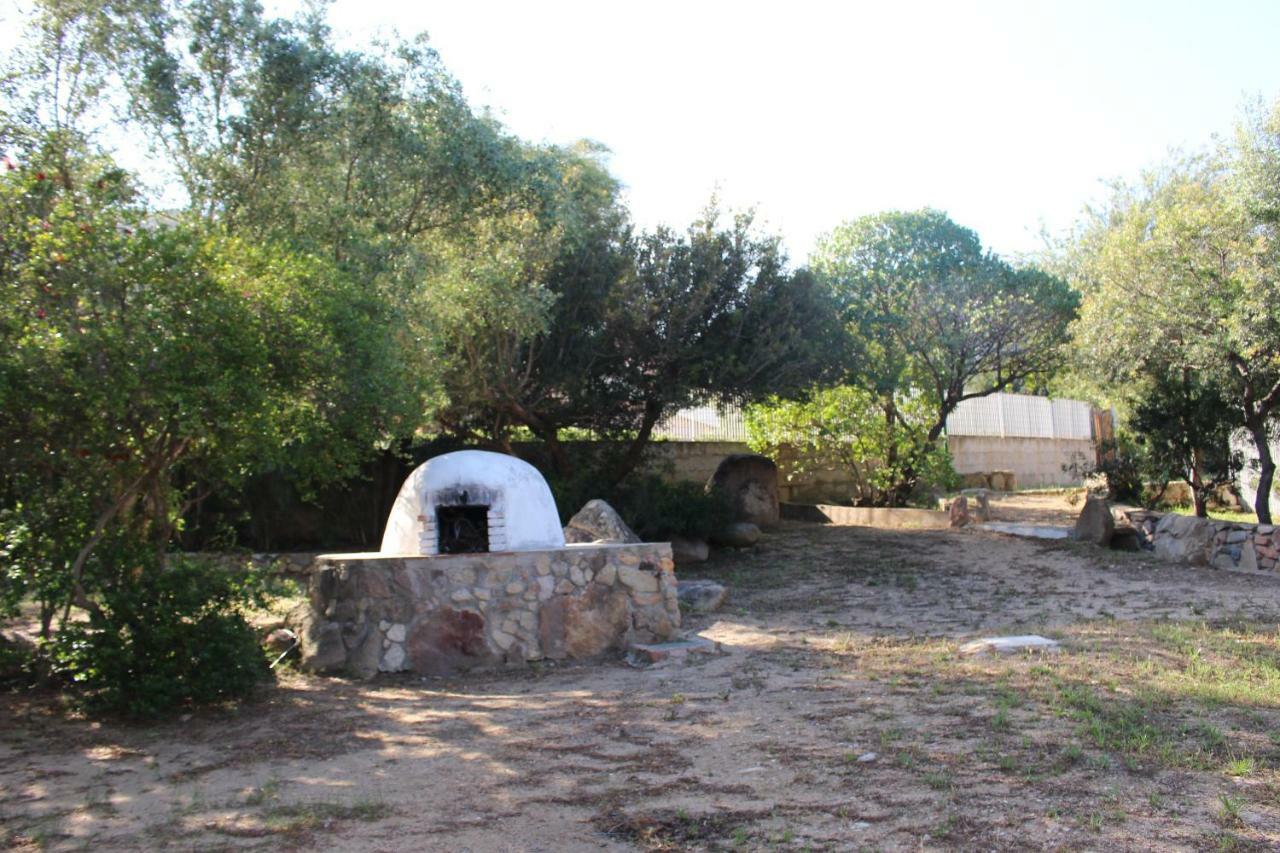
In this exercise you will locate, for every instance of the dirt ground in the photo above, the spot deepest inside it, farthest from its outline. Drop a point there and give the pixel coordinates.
(840, 716)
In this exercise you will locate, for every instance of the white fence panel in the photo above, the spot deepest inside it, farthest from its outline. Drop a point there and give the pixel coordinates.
(1022, 416)
(703, 423)
(998, 415)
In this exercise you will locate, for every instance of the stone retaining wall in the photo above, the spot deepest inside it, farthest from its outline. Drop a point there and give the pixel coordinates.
(866, 516)
(442, 614)
(1207, 541)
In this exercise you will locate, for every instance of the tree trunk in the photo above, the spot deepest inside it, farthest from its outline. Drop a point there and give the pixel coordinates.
(1198, 497)
(1266, 473)
(635, 451)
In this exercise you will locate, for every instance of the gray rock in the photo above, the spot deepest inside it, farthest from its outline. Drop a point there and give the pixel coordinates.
(1184, 538)
(1222, 560)
(983, 510)
(1095, 523)
(642, 654)
(365, 654)
(602, 523)
(685, 551)
(1249, 558)
(750, 483)
(574, 536)
(322, 647)
(585, 625)
(740, 534)
(700, 596)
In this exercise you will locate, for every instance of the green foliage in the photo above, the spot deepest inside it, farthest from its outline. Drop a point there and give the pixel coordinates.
(654, 507)
(658, 509)
(1177, 275)
(1124, 468)
(1184, 426)
(163, 639)
(882, 440)
(930, 312)
(600, 330)
(142, 366)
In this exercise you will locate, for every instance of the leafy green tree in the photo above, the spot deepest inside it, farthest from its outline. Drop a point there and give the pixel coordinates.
(884, 446)
(142, 366)
(1178, 275)
(1184, 427)
(603, 331)
(934, 318)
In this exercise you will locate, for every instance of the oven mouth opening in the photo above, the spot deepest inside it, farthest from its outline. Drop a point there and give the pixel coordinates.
(463, 529)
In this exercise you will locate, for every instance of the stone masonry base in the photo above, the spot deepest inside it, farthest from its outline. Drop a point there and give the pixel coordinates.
(436, 615)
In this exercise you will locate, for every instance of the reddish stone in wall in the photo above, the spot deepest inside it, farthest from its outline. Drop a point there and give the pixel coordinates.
(449, 640)
(586, 624)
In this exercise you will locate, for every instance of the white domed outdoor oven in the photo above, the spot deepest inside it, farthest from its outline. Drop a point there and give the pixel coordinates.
(473, 571)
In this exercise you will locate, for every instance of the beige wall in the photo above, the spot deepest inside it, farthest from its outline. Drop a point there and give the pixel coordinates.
(1035, 462)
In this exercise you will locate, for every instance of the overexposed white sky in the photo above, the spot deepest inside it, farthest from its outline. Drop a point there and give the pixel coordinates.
(1007, 115)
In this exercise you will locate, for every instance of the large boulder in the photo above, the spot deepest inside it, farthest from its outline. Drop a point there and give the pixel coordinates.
(981, 508)
(601, 523)
(1095, 523)
(685, 551)
(1184, 538)
(700, 596)
(750, 483)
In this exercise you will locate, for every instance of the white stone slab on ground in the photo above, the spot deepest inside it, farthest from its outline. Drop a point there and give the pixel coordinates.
(1007, 645)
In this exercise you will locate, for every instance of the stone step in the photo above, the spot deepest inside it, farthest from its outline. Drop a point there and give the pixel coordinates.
(644, 654)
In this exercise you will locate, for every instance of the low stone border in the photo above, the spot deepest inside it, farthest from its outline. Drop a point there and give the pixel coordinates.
(867, 516)
(1207, 541)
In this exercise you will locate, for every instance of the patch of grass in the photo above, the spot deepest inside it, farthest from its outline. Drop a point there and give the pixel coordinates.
(679, 829)
(1243, 766)
(938, 780)
(1229, 809)
(306, 817)
(1220, 514)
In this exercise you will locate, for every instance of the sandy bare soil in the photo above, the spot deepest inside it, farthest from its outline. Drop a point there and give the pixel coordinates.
(839, 717)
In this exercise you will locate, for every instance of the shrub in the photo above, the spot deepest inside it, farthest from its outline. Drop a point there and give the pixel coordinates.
(657, 509)
(652, 506)
(165, 639)
(881, 440)
(1122, 469)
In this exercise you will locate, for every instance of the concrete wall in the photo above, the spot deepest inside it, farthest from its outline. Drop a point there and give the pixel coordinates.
(696, 461)
(1035, 462)
(894, 518)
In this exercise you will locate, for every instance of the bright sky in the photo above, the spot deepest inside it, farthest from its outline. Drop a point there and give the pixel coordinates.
(1007, 115)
